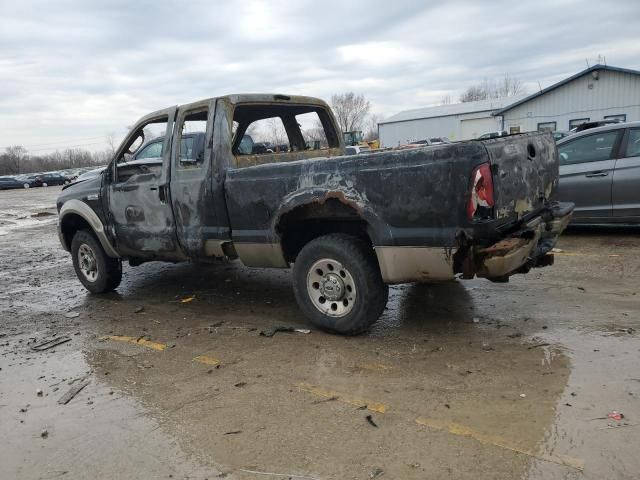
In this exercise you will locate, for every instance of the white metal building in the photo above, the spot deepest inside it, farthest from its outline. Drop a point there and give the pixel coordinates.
(597, 93)
(459, 121)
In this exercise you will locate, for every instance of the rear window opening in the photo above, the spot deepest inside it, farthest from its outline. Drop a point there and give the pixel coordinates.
(279, 133)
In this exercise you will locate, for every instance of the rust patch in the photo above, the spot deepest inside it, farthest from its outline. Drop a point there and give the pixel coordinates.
(503, 246)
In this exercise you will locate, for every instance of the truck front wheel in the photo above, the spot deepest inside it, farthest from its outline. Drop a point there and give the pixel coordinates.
(337, 284)
(98, 272)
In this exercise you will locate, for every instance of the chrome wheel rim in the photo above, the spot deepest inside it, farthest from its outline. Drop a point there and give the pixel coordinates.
(87, 262)
(331, 287)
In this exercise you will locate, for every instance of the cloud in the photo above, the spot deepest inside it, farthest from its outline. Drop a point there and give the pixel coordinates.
(76, 70)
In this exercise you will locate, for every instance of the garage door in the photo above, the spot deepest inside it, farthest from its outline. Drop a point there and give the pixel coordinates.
(473, 128)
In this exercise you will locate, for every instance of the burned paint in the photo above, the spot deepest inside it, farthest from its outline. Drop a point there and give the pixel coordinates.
(414, 198)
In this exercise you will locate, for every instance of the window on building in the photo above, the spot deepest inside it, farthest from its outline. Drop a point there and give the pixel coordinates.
(514, 130)
(576, 122)
(621, 117)
(591, 148)
(547, 127)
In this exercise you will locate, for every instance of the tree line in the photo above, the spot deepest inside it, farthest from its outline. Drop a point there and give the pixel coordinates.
(16, 159)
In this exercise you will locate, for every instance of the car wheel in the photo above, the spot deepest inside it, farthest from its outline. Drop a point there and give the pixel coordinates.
(44, 184)
(67, 182)
(337, 284)
(26, 185)
(97, 271)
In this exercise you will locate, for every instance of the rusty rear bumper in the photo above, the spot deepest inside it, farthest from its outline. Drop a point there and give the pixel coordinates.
(529, 247)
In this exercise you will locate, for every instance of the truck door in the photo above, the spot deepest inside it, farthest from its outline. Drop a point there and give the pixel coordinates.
(626, 179)
(196, 191)
(140, 215)
(586, 173)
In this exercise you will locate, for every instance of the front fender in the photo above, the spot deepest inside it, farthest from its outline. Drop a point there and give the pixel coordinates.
(84, 211)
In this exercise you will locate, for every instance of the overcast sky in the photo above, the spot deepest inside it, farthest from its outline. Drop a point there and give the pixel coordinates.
(73, 71)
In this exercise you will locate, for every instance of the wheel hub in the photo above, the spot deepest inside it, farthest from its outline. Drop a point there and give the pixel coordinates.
(87, 262)
(332, 287)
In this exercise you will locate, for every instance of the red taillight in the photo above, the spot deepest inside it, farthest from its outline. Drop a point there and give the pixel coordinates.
(481, 195)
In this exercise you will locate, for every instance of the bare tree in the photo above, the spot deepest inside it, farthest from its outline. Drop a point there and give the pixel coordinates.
(111, 142)
(13, 159)
(506, 87)
(276, 133)
(371, 127)
(446, 100)
(350, 110)
(509, 86)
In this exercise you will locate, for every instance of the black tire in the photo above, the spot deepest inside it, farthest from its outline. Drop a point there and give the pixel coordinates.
(356, 270)
(108, 271)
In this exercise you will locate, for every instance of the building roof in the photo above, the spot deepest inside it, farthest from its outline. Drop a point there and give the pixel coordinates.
(453, 109)
(564, 82)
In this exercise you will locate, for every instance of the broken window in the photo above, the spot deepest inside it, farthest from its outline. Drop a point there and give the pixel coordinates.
(276, 133)
(192, 139)
(312, 130)
(131, 164)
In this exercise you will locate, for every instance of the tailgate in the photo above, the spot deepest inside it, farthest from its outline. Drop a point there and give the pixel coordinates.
(525, 173)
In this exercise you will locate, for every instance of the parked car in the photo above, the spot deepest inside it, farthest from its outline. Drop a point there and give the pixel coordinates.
(496, 134)
(349, 226)
(8, 183)
(28, 181)
(54, 178)
(595, 124)
(600, 173)
(90, 174)
(356, 149)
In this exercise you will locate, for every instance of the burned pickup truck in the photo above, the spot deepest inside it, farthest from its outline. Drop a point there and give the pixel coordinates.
(349, 225)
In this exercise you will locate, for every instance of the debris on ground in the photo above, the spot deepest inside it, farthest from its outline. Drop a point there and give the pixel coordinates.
(233, 432)
(44, 433)
(614, 415)
(271, 331)
(523, 395)
(71, 315)
(331, 399)
(188, 299)
(376, 472)
(537, 345)
(371, 422)
(54, 342)
(72, 392)
(240, 384)
(138, 310)
(39, 392)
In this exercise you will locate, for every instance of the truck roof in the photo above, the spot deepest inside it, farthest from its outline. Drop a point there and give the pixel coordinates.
(239, 98)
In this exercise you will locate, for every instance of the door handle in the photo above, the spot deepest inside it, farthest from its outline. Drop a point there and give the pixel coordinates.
(596, 174)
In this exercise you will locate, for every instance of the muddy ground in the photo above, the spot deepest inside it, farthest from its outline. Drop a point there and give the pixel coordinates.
(458, 380)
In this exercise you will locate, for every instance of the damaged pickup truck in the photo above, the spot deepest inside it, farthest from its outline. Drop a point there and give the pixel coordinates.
(349, 225)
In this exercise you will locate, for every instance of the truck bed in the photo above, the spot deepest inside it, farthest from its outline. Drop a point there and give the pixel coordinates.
(413, 197)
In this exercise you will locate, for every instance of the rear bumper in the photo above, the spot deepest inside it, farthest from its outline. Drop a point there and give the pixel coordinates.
(516, 253)
(525, 249)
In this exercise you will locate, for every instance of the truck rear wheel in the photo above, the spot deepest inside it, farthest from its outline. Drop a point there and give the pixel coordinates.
(98, 272)
(337, 284)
